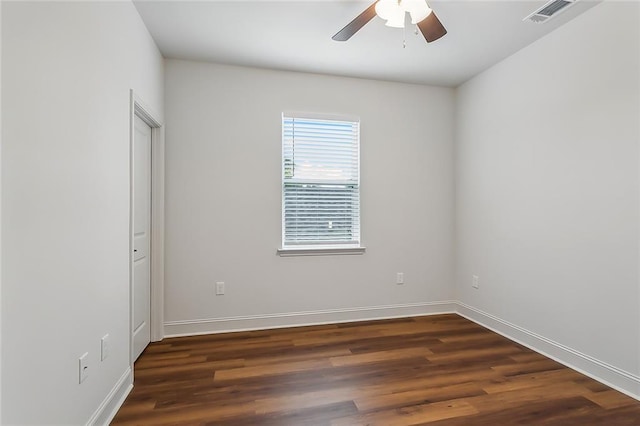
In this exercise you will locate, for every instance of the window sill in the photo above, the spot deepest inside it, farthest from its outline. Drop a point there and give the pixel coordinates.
(320, 251)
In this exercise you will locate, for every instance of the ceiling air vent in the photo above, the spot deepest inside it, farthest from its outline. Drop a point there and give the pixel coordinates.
(549, 10)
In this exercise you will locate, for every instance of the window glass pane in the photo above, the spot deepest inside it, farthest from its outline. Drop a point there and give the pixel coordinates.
(321, 194)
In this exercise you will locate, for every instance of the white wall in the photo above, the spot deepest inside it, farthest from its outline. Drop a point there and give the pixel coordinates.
(548, 191)
(67, 72)
(223, 197)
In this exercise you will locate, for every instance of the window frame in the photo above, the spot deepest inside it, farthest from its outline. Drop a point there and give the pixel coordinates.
(317, 249)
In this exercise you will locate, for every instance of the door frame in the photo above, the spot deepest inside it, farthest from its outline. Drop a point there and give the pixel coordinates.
(139, 109)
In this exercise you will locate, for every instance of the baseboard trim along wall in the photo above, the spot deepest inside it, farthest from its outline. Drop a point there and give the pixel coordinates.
(299, 319)
(611, 376)
(112, 403)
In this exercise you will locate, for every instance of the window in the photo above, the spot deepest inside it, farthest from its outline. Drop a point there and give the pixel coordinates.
(320, 185)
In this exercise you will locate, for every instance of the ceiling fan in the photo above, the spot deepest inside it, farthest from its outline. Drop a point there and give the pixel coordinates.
(394, 11)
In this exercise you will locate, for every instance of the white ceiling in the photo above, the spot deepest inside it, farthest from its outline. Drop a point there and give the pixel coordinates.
(296, 35)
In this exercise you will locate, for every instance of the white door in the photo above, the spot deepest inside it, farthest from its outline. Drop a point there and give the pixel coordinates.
(141, 236)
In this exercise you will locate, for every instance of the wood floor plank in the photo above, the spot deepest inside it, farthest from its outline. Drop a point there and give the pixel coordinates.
(382, 356)
(411, 415)
(472, 354)
(345, 336)
(494, 402)
(611, 399)
(192, 364)
(530, 380)
(291, 402)
(271, 369)
(431, 370)
(296, 356)
(562, 410)
(527, 367)
(314, 416)
(398, 399)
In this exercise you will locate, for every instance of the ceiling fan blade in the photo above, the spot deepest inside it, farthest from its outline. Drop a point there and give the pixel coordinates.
(355, 25)
(431, 28)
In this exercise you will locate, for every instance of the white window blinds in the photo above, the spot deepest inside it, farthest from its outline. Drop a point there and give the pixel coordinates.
(320, 181)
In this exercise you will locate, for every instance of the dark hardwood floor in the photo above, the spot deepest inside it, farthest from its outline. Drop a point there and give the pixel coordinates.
(435, 370)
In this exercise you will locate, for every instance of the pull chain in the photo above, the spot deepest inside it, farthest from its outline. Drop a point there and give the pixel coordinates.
(404, 38)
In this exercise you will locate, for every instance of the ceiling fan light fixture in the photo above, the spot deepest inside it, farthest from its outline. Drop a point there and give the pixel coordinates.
(396, 20)
(393, 11)
(419, 10)
(385, 9)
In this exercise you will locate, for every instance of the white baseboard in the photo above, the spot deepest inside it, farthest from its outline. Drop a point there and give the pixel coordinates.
(611, 376)
(297, 319)
(112, 403)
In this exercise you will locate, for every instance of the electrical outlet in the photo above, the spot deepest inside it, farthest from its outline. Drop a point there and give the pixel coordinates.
(83, 367)
(400, 278)
(475, 282)
(104, 347)
(219, 288)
